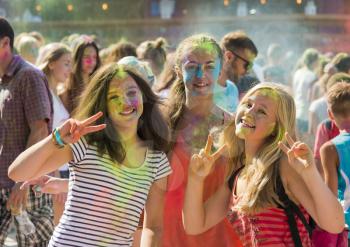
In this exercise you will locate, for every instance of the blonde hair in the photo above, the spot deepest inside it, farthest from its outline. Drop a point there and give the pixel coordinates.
(261, 174)
(51, 53)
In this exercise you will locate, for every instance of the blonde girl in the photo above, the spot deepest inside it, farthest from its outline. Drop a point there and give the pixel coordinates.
(261, 153)
(117, 167)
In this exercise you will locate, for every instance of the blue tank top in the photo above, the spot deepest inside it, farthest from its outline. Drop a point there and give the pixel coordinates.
(342, 144)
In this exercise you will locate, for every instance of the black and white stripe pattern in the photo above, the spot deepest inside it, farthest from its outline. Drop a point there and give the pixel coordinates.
(105, 200)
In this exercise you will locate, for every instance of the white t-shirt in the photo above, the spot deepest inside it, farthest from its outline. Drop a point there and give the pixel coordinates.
(302, 82)
(60, 115)
(105, 200)
(319, 107)
(227, 98)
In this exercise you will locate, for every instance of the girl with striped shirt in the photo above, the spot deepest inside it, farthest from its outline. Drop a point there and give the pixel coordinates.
(261, 150)
(116, 171)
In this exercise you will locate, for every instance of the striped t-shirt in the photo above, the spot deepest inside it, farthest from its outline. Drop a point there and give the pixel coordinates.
(105, 200)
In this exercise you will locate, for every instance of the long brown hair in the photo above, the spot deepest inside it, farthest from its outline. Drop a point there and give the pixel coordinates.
(75, 84)
(152, 128)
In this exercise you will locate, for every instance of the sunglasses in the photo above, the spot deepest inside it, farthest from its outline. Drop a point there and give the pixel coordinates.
(247, 64)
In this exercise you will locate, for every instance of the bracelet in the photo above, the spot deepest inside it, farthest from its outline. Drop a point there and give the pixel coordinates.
(57, 138)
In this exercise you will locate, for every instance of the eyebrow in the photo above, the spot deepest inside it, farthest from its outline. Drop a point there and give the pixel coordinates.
(118, 91)
(187, 62)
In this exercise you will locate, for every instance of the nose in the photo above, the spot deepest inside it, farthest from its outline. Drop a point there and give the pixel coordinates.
(199, 72)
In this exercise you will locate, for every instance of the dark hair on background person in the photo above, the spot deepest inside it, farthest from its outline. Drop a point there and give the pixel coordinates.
(6, 31)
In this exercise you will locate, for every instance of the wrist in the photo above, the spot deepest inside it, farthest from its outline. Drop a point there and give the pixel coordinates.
(309, 172)
(57, 139)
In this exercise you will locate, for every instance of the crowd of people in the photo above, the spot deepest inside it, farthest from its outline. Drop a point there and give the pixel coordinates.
(211, 144)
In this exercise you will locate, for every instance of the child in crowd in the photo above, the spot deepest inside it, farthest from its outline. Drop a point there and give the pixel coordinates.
(335, 154)
(192, 113)
(55, 62)
(86, 61)
(268, 172)
(116, 171)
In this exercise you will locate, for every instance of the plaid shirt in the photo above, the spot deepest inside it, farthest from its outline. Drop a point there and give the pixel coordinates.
(24, 99)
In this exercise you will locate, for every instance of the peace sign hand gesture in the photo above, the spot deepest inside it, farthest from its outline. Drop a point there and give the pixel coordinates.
(201, 164)
(299, 154)
(71, 130)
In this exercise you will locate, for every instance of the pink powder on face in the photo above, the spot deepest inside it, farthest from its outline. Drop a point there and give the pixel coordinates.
(4, 55)
(88, 61)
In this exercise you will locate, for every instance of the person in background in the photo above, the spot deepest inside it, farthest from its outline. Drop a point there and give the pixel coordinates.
(239, 52)
(166, 78)
(303, 80)
(56, 63)
(119, 50)
(25, 119)
(335, 154)
(86, 61)
(154, 52)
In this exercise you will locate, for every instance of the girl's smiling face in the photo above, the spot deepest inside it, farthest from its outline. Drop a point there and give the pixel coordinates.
(125, 104)
(200, 69)
(256, 116)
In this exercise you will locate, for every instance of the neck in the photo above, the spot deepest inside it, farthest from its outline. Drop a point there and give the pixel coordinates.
(6, 60)
(251, 149)
(52, 84)
(222, 79)
(86, 78)
(128, 136)
(199, 105)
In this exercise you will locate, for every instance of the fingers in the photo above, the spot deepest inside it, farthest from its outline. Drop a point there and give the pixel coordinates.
(283, 147)
(208, 145)
(91, 119)
(92, 129)
(289, 139)
(219, 152)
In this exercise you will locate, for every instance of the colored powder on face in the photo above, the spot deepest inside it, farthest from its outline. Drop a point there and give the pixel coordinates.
(206, 47)
(121, 75)
(87, 61)
(267, 92)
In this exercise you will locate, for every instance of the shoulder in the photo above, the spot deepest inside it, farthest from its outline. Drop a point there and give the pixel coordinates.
(328, 148)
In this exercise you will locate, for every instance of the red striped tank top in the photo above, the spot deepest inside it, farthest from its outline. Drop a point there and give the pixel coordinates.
(266, 228)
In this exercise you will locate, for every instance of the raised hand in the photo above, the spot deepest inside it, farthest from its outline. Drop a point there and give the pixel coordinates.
(72, 129)
(201, 164)
(298, 153)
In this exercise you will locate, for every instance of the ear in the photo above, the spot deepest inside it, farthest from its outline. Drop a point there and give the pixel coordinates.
(330, 114)
(178, 71)
(228, 56)
(50, 66)
(5, 41)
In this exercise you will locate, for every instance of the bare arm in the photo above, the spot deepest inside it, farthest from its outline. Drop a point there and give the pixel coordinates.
(153, 217)
(307, 186)
(197, 216)
(45, 156)
(38, 160)
(329, 161)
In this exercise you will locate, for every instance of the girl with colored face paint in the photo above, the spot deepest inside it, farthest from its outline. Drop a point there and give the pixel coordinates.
(86, 61)
(192, 115)
(116, 159)
(267, 171)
